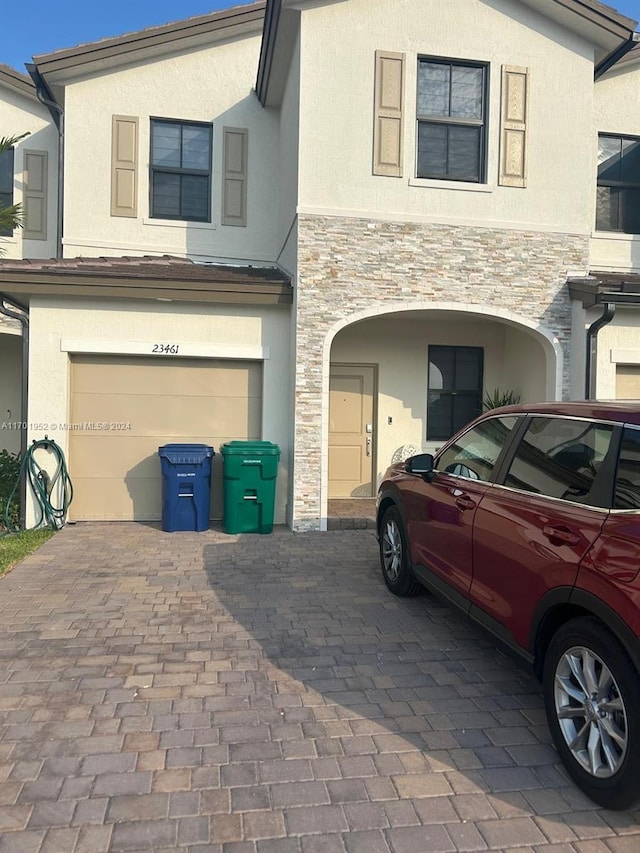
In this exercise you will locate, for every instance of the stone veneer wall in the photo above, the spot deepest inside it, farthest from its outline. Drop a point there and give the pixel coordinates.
(346, 266)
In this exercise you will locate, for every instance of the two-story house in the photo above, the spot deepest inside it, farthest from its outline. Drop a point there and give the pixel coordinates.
(336, 225)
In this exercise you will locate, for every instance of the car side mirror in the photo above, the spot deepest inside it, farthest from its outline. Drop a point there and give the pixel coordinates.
(421, 464)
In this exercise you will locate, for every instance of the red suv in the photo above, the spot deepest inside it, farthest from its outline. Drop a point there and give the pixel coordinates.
(529, 520)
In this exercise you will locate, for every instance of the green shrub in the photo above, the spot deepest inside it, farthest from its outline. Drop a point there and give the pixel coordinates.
(9, 473)
(497, 398)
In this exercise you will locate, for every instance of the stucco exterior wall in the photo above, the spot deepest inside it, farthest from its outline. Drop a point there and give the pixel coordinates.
(19, 114)
(617, 110)
(10, 390)
(618, 344)
(208, 85)
(336, 127)
(351, 268)
(60, 327)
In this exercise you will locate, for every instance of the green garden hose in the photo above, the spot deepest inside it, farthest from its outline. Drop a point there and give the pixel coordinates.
(43, 486)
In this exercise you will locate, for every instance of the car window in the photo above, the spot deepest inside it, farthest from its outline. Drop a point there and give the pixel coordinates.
(475, 453)
(560, 458)
(627, 492)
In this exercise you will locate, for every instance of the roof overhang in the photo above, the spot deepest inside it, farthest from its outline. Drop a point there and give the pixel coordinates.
(599, 24)
(602, 288)
(163, 279)
(17, 82)
(62, 66)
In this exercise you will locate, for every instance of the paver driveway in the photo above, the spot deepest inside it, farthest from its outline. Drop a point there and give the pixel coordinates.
(264, 694)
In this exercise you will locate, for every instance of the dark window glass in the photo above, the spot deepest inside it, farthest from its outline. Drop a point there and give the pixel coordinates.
(180, 170)
(451, 120)
(474, 454)
(560, 458)
(627, 494)
(455, 389)
(6, 185)
(618, 193)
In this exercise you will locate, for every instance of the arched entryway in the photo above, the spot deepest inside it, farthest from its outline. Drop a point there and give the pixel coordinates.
(410, 376)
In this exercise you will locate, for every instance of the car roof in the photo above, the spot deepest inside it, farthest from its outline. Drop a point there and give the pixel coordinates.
(622, 411)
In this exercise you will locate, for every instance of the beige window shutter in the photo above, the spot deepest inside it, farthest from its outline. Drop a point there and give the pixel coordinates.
(513, 126)
(388, 120)
(124, 166)
(35, 195)
(235, 147)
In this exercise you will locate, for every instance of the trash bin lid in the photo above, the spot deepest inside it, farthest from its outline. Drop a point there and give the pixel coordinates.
(185, 454)
(242, 448)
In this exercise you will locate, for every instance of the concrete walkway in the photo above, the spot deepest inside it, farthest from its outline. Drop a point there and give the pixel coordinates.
(264, 694)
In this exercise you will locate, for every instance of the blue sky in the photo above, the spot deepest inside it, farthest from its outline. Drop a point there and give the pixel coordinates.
(30, 27)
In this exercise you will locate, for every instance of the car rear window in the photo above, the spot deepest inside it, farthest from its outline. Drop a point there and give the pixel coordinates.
(627, 491)
(560, 458)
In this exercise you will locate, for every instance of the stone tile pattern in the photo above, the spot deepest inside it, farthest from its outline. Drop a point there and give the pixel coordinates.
(350, 266)
(264, 694)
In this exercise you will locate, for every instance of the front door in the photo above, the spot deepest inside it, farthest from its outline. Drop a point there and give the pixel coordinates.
(351, 431)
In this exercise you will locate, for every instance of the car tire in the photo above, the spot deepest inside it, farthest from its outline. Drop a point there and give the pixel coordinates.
(592, 700)
(394, 556)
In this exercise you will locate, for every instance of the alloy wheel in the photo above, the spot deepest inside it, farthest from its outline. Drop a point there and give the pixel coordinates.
(590, 712)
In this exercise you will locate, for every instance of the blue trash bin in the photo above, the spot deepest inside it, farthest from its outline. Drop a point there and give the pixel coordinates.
(186, 486)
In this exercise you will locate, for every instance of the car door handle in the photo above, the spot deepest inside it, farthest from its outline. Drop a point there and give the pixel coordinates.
(560, 534)
(465, 502)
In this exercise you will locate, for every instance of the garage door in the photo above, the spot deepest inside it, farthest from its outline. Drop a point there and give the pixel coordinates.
(628, 382)
(124, 408)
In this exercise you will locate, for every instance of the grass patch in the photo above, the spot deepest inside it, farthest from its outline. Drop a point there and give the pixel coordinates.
(17, 546)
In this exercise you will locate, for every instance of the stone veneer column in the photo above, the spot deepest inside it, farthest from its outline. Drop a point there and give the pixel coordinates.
(347, 266)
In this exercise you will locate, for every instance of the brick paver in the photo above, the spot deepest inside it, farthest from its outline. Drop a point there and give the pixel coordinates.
(264, 694)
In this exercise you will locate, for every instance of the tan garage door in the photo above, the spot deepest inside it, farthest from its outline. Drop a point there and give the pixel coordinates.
(124, 408)
(628, 382)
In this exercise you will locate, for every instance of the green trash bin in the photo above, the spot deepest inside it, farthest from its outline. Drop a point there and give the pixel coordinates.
(249, 472)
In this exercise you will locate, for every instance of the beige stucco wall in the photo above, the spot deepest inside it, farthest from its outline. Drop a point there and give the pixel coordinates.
(336, 126)
(10, 389)
(206, 85)
(398, 347)
(60, 327)
(20, 114)
(618, 344)
(617, 110)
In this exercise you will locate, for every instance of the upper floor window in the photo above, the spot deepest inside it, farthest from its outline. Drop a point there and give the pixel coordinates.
(180, 170)
(618, 197)
(452, 121)
(6, 185)
(455, 389)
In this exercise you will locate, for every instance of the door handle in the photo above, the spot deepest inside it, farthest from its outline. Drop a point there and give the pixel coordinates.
(465, 502)
(560, 534)
(368, 445)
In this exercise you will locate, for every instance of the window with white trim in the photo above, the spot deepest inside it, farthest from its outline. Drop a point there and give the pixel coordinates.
(452, 120)
(618, 194)
(180, 179)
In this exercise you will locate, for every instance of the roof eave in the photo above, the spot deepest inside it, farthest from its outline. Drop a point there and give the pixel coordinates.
(17, 82)
(84, 58)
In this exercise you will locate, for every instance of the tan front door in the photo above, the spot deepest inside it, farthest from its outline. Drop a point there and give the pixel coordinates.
(628, 382)
(351, 438)
(123, 408)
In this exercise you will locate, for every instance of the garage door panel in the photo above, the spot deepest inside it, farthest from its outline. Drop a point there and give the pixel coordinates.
(163, 415)
(628, 382)
(117, 500)
(116, 473)
(162, 377)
